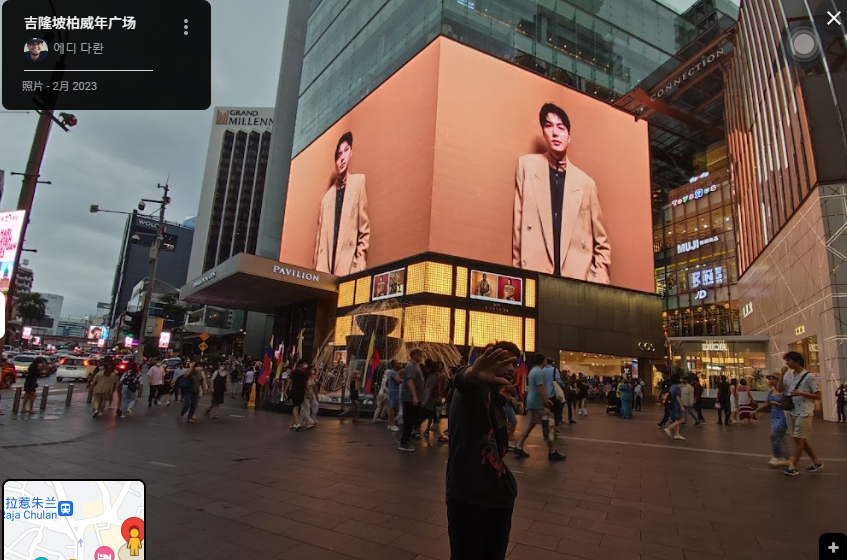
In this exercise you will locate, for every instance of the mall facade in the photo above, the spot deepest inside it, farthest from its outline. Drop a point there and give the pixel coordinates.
(788, 152)
(410, 81)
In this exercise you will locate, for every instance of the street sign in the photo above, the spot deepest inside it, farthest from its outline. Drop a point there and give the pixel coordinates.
(203, 346)
(204, 337)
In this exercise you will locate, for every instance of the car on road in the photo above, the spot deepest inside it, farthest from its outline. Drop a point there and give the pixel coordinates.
(23, 361)
(8, 375)
(72, 367)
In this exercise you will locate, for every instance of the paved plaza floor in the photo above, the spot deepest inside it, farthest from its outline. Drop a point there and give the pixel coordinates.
(245, 484)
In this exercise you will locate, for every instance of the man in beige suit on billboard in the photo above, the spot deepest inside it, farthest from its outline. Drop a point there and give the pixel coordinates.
(344, 231)
(558, 224)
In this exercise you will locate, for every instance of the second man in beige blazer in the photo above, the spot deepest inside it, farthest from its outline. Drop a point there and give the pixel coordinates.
(344, 230)
(557, 225)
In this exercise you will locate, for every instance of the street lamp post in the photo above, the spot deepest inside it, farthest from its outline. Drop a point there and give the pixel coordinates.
(154, 259)
(30, 180)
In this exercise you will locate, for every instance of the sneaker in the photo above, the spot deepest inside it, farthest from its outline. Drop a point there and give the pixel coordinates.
(791, 471)
(168, 403)
(668, 431)
(783, 462)
(191, 420)
(774, 461)
(406, 447)
(555, 456)
(96, 414)
(149, 405)
(679, 437)
(571, 421)
(394, 428)
(660, 424)
(815, 468)
(179, 418)
(697, 423)
(118, 413)
(129, 412)
(520, 452)
(418, 436)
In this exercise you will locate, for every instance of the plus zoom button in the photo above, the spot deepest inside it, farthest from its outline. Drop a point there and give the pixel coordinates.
(832, 545)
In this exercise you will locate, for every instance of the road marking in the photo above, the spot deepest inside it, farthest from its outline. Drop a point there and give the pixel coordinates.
(237, 415)
(162, 464)
(163, 425)
(683, 448)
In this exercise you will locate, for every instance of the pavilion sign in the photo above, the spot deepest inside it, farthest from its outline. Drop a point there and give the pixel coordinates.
(688, 73)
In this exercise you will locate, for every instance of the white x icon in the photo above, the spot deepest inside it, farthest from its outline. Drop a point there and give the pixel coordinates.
(833, 18)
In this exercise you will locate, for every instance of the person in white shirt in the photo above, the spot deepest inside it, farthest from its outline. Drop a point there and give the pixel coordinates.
(801, 388)
(687, 396)
(248, 382)
(176, 383)
(155, 378)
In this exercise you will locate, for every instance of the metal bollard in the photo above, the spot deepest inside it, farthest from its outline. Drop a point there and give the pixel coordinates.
(70, 394)
(44, 392)
(90, 394)
(17, 402)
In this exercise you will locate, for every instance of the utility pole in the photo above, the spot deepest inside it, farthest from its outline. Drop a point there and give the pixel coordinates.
(154, 260)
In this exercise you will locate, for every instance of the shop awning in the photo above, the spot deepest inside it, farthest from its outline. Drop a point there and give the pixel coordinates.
(258, 284)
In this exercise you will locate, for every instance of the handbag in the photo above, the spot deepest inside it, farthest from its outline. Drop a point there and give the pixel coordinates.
(787, 402)
(560, 395)
(717, 406)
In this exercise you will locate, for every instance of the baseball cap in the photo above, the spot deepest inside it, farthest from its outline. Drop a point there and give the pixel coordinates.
(33, 41)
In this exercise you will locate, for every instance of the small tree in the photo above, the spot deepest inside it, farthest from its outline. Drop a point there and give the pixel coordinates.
(31, 306)
(172, 310)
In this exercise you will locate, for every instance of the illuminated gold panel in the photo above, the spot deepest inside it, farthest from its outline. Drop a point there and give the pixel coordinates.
(439, 278)
(345, 293)
(529, 336)
(460, 324)
(529, 297)
(430, 277)
(461, 283)
(486, 328)
(363, 290)
(427, 323)
(416, 278)
(342, 329)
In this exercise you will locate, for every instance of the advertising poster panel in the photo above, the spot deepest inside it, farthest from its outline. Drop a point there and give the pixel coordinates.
(389, 284)
(10, 235)
(467, 155)
(489, 286)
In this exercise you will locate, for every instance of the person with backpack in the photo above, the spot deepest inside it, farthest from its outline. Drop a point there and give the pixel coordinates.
(129, 385)
(220, 381)
(193, 382)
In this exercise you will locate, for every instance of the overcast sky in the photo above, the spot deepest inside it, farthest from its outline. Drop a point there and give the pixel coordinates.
(113, 159)
(116, 158)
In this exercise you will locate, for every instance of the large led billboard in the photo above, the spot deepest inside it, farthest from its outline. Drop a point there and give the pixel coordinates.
(10, 235)
(463, 154)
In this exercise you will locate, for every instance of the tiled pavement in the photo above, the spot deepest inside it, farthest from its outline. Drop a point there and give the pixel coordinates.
(245, 484)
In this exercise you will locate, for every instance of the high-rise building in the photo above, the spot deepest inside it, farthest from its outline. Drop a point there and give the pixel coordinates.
(230, 208)
(23, 280)
(134, 263)
(190, 222)
(788, 152)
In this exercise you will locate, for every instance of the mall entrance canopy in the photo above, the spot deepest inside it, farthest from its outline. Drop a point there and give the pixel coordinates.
(258, 284)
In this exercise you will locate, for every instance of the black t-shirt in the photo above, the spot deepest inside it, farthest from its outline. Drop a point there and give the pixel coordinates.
(557, 199)
(41, 56)
(476, 473)
(723, 391)
(298, 382)
(339, 204)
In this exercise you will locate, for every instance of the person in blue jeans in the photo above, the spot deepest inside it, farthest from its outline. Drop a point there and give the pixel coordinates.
(674, 407)
(779, 426)
(195, 380)
(130, 384)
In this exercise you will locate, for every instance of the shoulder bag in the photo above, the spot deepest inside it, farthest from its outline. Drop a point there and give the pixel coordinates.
(787, 402)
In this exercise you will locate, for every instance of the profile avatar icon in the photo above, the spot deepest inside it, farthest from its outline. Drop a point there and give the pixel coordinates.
(36, 50)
